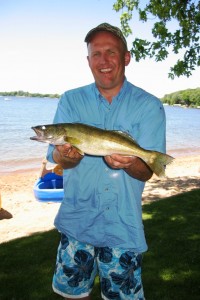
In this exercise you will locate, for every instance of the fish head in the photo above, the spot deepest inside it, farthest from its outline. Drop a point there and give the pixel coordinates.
(51, 134)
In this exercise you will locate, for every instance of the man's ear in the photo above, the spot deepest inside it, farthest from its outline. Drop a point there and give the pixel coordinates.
(88, 60)
(127, 58)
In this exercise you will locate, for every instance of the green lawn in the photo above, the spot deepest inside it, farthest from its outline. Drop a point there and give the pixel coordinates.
(171, 267)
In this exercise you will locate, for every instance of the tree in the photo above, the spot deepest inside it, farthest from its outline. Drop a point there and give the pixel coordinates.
(189, 97)
(186, 13)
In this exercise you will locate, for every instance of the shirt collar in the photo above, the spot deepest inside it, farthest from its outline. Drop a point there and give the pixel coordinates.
(117, 97)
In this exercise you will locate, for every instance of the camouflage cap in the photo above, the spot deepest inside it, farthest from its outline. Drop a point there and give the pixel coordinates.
(106, 27)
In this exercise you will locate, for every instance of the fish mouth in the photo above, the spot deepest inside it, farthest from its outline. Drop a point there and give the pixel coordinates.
(39, 135)
(34, 138)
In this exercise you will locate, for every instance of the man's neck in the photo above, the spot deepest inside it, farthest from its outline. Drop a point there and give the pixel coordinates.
(109, 94)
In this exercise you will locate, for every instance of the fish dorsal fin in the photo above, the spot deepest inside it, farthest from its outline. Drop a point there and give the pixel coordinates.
(73, 141)
(126, 135)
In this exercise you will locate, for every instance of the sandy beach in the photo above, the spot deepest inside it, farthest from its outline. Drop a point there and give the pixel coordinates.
(30, 216)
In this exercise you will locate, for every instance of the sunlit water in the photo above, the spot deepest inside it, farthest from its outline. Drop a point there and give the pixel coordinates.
(18, 115)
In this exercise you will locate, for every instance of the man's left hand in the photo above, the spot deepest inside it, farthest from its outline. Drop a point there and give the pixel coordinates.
(132, 165)
(117, 161)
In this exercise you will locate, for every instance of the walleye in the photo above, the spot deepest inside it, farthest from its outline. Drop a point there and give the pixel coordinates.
(99, 142)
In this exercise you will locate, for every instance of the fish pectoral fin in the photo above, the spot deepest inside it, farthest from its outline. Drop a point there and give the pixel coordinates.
(73, 141)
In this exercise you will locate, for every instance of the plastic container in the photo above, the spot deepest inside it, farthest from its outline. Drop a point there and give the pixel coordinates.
(49, 188)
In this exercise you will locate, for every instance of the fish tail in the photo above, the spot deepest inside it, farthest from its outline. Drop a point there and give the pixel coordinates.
(157, 162)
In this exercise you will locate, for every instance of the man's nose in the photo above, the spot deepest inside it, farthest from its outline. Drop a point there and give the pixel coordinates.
(104, 58)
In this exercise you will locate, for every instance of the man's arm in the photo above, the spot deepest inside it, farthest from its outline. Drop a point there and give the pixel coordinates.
(133, 166)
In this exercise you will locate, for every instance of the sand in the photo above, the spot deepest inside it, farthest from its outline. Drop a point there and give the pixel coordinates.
(30, 216)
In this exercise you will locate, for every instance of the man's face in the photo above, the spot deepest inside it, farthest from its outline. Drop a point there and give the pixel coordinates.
(107, 59)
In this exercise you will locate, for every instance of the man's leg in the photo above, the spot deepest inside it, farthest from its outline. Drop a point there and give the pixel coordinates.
(120, 273)
(75, 270)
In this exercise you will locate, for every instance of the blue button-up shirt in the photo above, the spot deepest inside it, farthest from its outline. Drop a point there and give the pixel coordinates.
(102, 206)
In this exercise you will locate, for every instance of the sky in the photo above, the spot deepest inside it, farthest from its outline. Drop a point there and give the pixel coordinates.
(42, 48)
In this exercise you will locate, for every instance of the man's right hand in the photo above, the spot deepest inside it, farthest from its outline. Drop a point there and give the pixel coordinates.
(66, 156)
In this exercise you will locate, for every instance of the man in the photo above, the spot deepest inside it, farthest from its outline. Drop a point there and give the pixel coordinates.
(100, 218)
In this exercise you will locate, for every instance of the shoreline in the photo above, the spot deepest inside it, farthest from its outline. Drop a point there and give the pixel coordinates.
(182, 175)
(30, 216)
(33, 164)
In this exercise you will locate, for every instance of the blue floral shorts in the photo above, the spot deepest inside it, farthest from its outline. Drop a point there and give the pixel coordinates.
(78, 264)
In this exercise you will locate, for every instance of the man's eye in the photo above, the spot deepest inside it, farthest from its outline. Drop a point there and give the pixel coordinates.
(95, 54)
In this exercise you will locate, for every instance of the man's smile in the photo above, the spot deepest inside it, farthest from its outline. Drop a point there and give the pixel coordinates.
(107, 70)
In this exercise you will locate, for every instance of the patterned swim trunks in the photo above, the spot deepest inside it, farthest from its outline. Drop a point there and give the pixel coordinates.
(78, 264)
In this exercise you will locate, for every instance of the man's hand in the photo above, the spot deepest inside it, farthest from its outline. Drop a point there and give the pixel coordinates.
(132, 165)
(66, 156)
(68, 151)
(117, 161)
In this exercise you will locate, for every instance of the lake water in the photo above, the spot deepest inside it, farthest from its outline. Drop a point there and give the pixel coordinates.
(18, 152)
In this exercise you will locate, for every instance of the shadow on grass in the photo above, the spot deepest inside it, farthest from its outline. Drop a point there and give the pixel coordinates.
(170, 267)
(27, 265)
(174, 186)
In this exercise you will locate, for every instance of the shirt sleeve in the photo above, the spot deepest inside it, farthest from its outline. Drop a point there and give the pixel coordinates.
(153, 126)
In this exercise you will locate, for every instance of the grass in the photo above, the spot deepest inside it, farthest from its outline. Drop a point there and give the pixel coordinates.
(171, 267)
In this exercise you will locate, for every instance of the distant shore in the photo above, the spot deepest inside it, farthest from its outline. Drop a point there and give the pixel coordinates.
(180, 105)
(33, 164)
(184, 104)
(30, 216)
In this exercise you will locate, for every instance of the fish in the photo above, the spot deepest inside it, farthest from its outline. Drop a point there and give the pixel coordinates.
(95, 141)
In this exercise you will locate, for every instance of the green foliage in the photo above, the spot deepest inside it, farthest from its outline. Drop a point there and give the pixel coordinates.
(186, 36)
(189, 97)
(27, 94)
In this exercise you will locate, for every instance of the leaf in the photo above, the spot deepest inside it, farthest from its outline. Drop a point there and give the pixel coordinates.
(186, 17)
